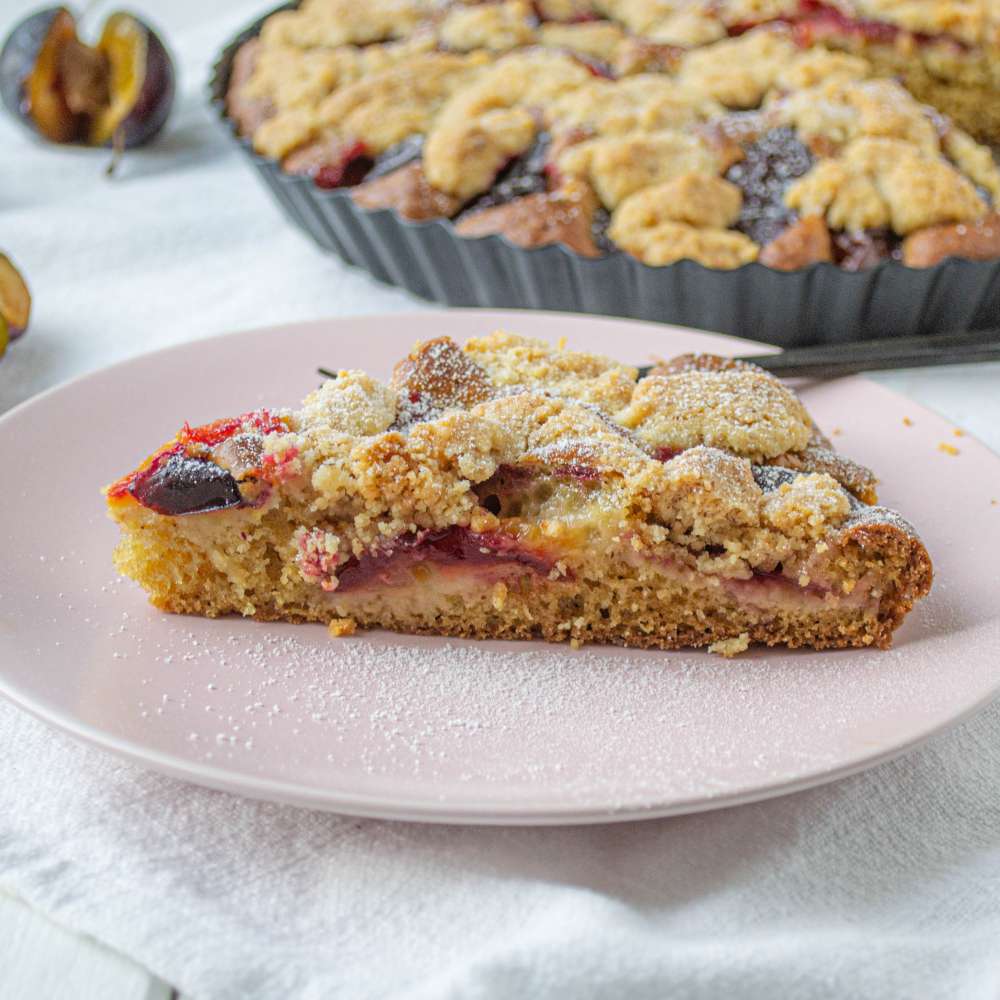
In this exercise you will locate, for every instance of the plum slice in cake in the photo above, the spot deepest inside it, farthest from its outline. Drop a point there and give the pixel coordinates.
(510, 489)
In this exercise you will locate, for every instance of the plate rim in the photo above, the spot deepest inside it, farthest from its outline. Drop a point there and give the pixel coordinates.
(375, 807)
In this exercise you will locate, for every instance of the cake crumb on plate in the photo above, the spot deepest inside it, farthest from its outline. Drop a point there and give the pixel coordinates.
(731, 647)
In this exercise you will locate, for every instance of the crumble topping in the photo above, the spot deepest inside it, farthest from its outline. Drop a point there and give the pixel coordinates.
(806, 504)
(629, 95)
(452, 418)
(819, 66)
(319, 554)
(387, 106)
(566, 10)
(620, 165)
(643, 103)
(291, 77)
(699, 200)
(667, 242)
(965, 20)
(599, 39)
(820, 457)
(746, 412)
(836, 111)
(464, 153)
(975, 160)
(535, 77)
(494, 26)
(883, 181)
(738, 72)
(511, 360)
(353, 403)
(487, 123)
(712, 492)
(688, 27)
(406, 456)
(331, 23)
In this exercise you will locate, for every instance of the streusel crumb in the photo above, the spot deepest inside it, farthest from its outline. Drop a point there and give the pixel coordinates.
(340, 627)
(747, 412)
(731, 647)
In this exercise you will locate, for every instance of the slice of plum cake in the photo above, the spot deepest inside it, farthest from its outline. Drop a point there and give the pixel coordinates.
(511, 489)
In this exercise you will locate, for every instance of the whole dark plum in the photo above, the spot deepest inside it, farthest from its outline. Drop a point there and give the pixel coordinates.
(117, 92)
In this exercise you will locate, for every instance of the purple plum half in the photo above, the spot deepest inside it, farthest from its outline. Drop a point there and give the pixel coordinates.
(15, 299)
(117, 92)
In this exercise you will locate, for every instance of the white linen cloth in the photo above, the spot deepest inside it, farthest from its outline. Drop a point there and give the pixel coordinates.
(884, 885)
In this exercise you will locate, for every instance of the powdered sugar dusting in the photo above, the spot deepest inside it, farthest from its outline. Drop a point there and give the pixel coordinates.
(772, 477)
(494, 722)
(466, 726)
(863, 515)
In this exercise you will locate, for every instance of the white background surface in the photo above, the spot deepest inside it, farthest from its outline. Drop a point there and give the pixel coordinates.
(887, 884)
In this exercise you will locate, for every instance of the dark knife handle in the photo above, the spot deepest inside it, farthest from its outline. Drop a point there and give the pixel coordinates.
(835, 360)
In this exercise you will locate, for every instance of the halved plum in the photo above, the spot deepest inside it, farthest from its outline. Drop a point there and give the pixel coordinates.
(29, 64)
(15, 301)
(118, 92)
(176, 483)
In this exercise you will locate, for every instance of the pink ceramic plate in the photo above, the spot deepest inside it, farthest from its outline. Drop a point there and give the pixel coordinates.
(427, 729)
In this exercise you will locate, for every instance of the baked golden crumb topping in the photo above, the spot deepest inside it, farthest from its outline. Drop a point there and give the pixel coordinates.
(701, 129)
(406, 455)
